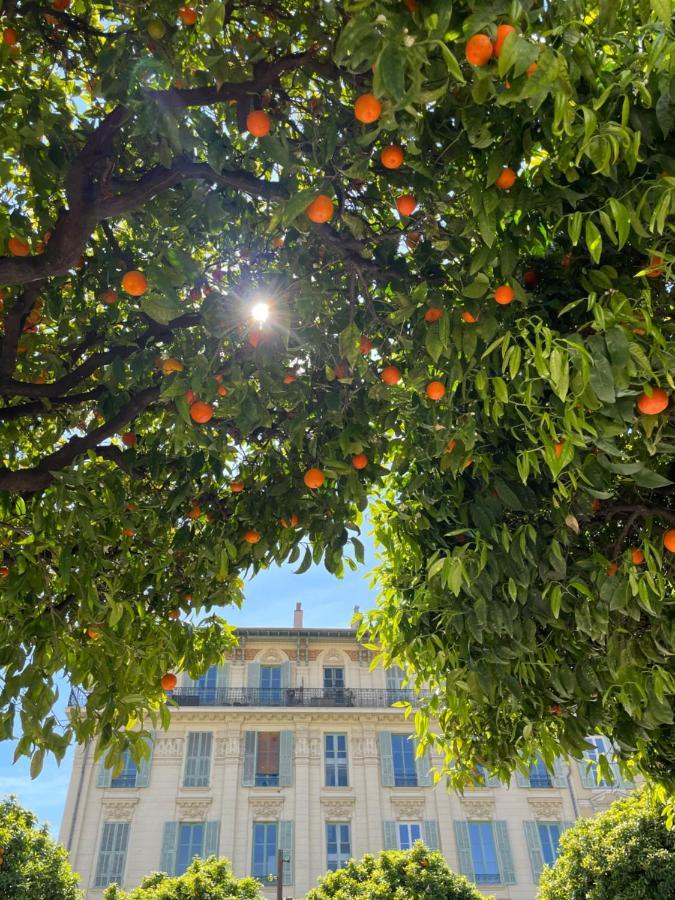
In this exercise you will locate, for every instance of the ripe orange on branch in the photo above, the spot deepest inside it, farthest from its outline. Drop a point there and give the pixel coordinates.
(392, 157)
(169, 681)
(236, 487)
(367, 109)
(637, 556)
(18, 247)
(503, 31)
(435, 390)
(290, 522)
(9, 37)
(187, 15)
(360, 461)
(468, 318)
(406, 204)
(258, 123)
(201, 412)
(504, 295)
(433, 314)
(479, 50)
(314, 478)
(129, 439)
(134, 283)
(652, 406)
(365, 345)
(506, 178)
(321, 209)
(252, 536)
(390, 375)
(669, 540)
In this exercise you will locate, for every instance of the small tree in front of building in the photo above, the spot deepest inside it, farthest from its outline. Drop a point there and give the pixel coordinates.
(209, 879)
(32, 865)
(403, 874)
(624, 853)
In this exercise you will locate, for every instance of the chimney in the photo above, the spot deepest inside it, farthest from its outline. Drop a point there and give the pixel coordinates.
(297, 616)
(352, 624)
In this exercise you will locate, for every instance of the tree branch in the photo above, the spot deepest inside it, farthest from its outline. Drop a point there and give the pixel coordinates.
(14, 320)
(10, 413)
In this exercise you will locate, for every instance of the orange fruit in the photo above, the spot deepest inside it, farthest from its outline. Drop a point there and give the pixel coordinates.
(612, 569)
(530, 278)
(559, 447)
(195, 512)
(61, 4)
(367, 109)
(531, 69)
(314, 478)
(392, 157)
(109, 296)
(190, 397)
(222, 391)
(406, 204)
(410, 5)
(596, 504)
(290, 376)
(201, 412)
(256, 337)
(450, 446)
(4, 571)
(128, 532)
(669, 540)
(506, 178)
(258, 123)
(652, 406)
(278, 243)
(291, 522)
(467, 317)
(504, 295)
(433, 314)
(18, 247)
(412, 239)
(637, 556)
(129, 439)
(188, 15)
(435, 390)
(566, 261)
(169, 681)
(390, 375)
(173, 614)
(236, 487)
(171, 365)
(9, 37)
(134, 283)
(252, 536)
(93, 634)
(360, 461)
(479, 49)
(503, 31)
(321, 209)
(365, 345)
(655, 264)
(131, 507)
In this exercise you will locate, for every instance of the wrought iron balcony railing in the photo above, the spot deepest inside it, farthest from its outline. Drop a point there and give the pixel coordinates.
(328, 697)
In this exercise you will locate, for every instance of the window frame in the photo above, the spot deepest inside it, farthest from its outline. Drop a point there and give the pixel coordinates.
(334, 763)
(410, 840)
(488, 826)
(264, 879)
(98, 881)
(272, 694)
(341, 857)
(191, 825)
(402, 778)
(124, 778)
(267, 779)
(555, 848)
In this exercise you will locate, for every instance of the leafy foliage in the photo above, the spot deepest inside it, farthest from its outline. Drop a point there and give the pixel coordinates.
(31, 863)
(502, 503)
(399, 874)
(624, 853)
(210, 879)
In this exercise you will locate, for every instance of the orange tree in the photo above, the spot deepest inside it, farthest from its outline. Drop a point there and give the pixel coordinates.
(456, 220)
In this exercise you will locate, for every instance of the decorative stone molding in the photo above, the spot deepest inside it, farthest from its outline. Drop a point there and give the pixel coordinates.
(364, 656)
(602, 799)
(478, 809)
(266, 807)
(228, 746)
(546, 809)
(168, 748)
(315, 747)
(408, 808)
(119, 810)
(193, 809)
(302, 650)
(337, 809)
(239, 652)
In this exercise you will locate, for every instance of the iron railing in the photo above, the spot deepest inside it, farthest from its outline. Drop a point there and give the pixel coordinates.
(299, 696)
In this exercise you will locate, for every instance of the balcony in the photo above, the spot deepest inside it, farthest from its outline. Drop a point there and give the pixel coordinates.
(315, 697)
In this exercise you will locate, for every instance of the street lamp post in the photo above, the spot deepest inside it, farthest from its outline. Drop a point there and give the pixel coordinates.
(282, 857)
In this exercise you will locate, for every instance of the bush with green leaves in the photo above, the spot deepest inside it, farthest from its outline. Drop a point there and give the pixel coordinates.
(32, 864)
(396, 875)
(624, 853)
(209, 879)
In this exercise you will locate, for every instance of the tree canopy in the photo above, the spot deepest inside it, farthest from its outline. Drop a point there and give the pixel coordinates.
(624, 853)
(265, 262)
(210, 879)
(31, 863)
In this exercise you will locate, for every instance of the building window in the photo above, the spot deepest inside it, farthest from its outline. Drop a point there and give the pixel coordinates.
(403, 753)
(539, 775)
(127, 777)
(484, 853)
(549, 838)
(408, 833)
(333, 677)
(198, 759)
(337, 773)
(112, 854)
(338, 845)
(265, 837)
(190, 844)
(206, 686)
(601, 746)
(267, 759)
(270, 685)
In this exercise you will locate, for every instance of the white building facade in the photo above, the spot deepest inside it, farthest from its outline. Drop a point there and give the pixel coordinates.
(294, 744)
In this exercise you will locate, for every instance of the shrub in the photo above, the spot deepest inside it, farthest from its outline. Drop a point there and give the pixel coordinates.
(209, 879)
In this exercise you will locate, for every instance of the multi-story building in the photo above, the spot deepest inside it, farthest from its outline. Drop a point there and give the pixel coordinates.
(294, 744)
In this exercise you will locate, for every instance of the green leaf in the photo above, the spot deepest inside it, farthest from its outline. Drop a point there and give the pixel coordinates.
(390, 72)
(663, 10)
(297, 204)
(306, 562)
(160, 309)
(593, 241)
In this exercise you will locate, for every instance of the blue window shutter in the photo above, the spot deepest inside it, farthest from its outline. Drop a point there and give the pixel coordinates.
(250, 753)
(390, 835)
(104, 775)
(534, 849)
(167, 860)
(286, 759)
(223, 676)
(423, 767)
(430, 834)
(559, 777)
(386, 759)
(464, 849)
(198, 759)
(143, 770)
(112, 854)
(253, 675)
(211, 838)
(522, 780)
(504, 857)
(286, 844)
(285, 674)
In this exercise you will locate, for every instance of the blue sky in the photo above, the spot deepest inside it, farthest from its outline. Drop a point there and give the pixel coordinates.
(271, 596)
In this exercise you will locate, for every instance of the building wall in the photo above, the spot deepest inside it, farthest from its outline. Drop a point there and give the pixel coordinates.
(366, 804)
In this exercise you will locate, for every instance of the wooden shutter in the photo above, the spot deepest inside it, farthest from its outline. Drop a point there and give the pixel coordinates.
(464, 849)
(143, 769)
(390, 835)
(198, 759)
(285, 839)
(253, 675)
(534, 849)
(500, 831)
(286, 759)
(522, 780)
(394, 676)
(559, 777)
(430, 834)
(104, 775)
(223, 676)
(386, 759)
(250, 753)
(112, 854)
(587, 773)
(167, 860)
(285, 675)
(423, 768)
(211, 838)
